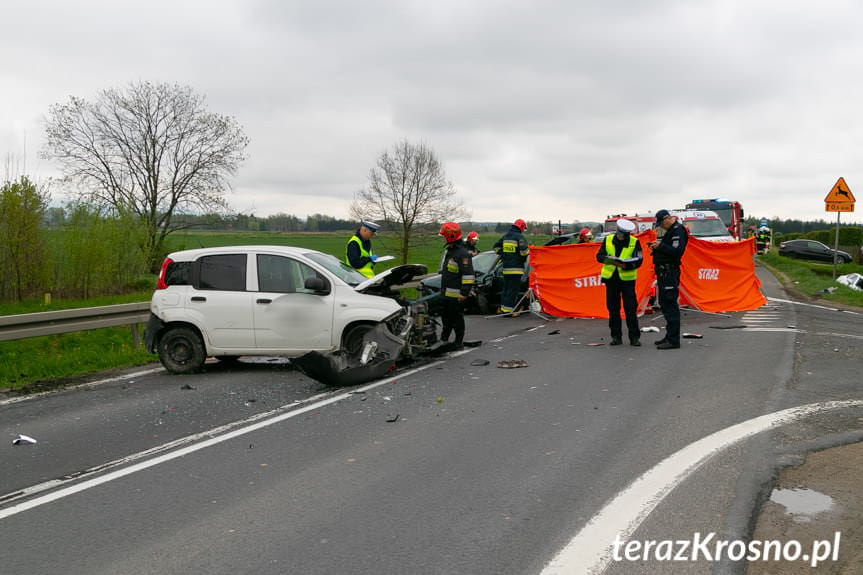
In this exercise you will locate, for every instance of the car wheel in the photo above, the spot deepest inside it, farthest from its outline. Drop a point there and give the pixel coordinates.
(352, 339)
(181, 350)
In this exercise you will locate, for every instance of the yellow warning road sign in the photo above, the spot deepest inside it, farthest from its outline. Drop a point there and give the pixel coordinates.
(840, 198)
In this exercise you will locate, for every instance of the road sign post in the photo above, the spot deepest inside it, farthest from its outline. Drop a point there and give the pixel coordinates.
(839, 199)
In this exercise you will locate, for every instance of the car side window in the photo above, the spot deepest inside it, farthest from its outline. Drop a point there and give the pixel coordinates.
(283, 275)
(225, 272)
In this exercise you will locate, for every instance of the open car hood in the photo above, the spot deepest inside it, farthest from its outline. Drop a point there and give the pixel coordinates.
(393, 276)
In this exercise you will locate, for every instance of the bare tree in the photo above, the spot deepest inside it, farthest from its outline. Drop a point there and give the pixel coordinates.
(408, 188)
(151, 150)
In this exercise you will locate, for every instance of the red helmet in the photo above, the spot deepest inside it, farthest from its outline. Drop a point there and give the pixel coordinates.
(473, 236)
(585, 234)
(450, 231)
(519, 223)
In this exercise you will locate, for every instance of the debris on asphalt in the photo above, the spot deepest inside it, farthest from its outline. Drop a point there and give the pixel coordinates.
(439, 399)
(512, 363)
(472, 343)
(727, 326)
(23, 440)
(480, 362)
(187, 386)
(393, 419)
(692, 336)
(554, 332)
(594, 344)
(650, 328)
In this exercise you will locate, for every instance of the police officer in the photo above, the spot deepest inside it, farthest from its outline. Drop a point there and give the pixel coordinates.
(457, 281)
(513, 250)
(621, 256)
(358, 252)
(667, 254)
(472, 239)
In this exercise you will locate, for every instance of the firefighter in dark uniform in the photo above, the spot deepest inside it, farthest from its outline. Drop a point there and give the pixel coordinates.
(472, 239)
(585, 236)
(619, 279)
(457, 282)
(667, 253)
(513, 250)
(358, 252)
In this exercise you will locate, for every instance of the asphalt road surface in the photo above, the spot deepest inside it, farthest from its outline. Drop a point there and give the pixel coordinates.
(446, 467)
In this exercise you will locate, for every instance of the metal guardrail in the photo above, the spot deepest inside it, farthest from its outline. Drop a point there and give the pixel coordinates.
(26, 325)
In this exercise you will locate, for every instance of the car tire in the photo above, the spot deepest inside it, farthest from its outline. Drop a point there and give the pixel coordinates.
(352, 338)
(181, 350)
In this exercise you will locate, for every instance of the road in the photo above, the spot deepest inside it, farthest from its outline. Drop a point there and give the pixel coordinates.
(445, 468)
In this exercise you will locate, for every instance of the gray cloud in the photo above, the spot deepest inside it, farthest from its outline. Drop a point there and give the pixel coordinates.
(539, 110)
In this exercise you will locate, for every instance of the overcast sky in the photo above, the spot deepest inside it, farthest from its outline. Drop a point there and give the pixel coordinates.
(541, 110)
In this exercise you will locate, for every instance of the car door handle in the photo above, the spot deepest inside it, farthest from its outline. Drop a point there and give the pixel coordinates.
(262, 300)
(198, 298)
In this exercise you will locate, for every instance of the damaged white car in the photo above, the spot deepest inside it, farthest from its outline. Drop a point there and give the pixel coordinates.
(334, 324)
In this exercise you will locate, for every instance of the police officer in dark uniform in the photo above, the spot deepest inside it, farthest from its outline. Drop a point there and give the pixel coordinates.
(513, 250)
(621, 256)
(457, 282)
(667, 253)
(358, 251)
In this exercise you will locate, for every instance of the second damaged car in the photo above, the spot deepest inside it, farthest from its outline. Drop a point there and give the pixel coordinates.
(336, 325)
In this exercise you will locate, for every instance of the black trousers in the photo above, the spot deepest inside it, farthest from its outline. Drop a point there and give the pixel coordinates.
(668, 286)
(452, 316)
(615, 290)
(509, 297)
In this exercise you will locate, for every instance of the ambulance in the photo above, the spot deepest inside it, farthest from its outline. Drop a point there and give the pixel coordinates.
(703, 224)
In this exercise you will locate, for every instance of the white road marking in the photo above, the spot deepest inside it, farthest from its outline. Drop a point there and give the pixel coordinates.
(814, 305)
(83, 385)
(250, 424)
(589, 552)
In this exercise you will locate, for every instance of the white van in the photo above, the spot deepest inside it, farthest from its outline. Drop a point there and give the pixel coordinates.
(704, 225)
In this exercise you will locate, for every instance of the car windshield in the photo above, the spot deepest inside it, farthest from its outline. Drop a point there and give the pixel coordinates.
(706, 228)
(484, 262)
(338, 268)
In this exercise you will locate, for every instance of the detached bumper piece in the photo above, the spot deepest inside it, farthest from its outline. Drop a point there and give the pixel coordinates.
(380, 350)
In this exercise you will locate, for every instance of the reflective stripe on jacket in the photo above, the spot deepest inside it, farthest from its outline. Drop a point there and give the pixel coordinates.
(626, 253)
(368, 268)
(457, 275)
(513, 250)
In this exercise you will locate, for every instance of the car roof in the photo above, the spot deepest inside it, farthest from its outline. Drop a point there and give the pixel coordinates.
(188, 255)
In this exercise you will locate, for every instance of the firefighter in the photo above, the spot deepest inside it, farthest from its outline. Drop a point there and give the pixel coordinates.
(585, 236)
(358, 252)
(457, 282)
(619, 275)
(513, 250)
(762, 240)
(472, 239)
(667, 254)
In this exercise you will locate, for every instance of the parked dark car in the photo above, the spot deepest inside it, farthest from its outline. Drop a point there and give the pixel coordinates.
(812, 250)
(489, 285)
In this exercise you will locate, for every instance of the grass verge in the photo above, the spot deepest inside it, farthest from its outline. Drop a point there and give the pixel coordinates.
(811, 279)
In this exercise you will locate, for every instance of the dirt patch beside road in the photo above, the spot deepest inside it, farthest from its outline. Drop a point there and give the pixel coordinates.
(836, 474)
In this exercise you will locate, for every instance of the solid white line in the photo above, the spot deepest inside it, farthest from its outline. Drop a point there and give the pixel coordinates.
(589, 552)
(82, 385)
(78, 487)
(814, 305)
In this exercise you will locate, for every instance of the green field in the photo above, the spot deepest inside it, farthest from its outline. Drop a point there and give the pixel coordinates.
(51, 359)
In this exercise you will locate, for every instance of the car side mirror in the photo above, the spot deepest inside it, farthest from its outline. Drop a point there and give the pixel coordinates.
(318, 285)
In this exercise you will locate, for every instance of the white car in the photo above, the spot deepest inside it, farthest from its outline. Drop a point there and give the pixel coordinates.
(234, 301)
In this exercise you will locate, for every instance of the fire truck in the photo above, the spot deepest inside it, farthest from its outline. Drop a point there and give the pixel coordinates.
(730, 211)
(642, 222)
